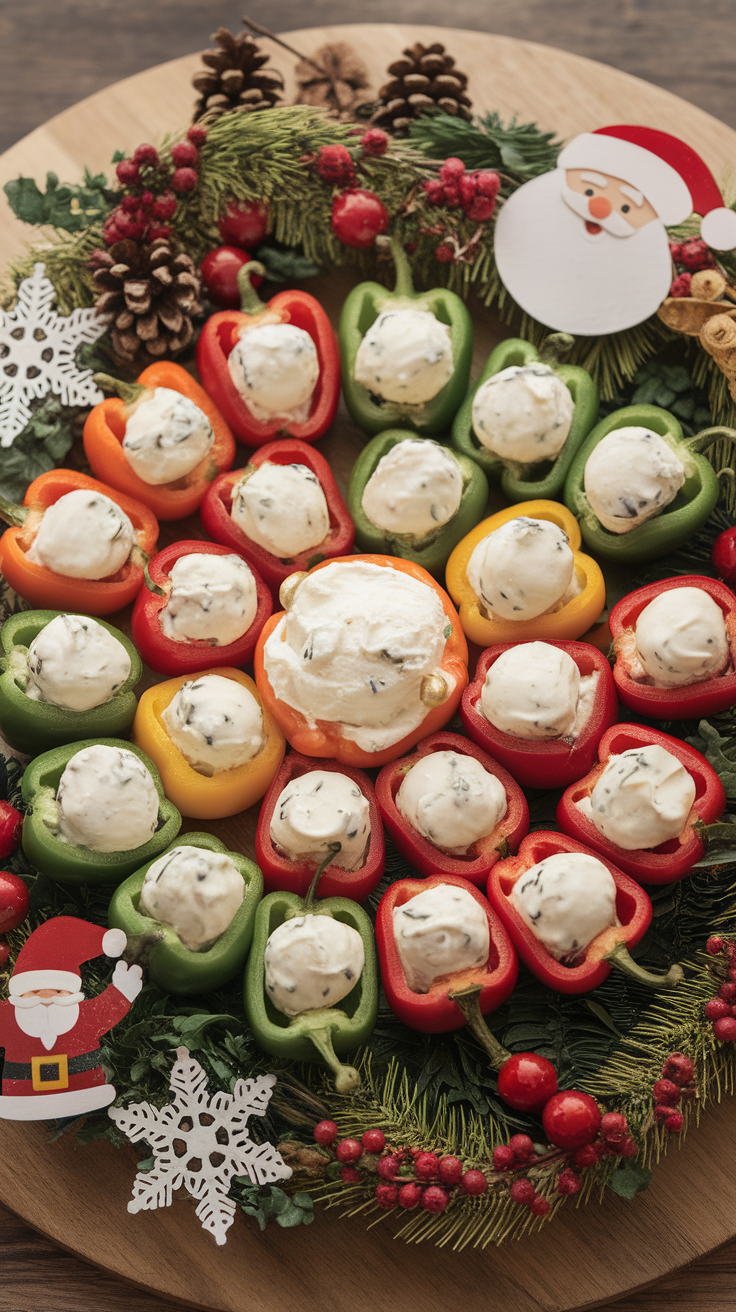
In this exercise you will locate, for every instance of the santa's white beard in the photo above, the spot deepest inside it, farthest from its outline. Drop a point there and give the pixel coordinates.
(46, 1019)
(569, 279)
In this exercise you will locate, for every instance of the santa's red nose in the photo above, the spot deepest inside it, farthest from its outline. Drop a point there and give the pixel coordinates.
(599, 207)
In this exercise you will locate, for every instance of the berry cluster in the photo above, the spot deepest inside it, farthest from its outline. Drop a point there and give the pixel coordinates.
(474, 193)
(358, 216)
(677, 1082)
(722, 1008)
(151, 186)
(336, 165)
(519, 1156)
(689, 257)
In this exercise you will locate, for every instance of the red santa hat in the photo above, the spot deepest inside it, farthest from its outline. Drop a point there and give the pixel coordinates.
(53, 955)
(669, 173)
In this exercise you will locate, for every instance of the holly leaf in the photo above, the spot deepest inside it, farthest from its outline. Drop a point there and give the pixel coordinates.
(715, 749)
(70, 206)
(628, 1180)
(285, 265)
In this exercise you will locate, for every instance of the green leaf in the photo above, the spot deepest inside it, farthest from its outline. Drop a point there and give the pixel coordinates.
(72, 207)
(603, 1016)
(285, 265)
(521, 149)
(628, 1180)
(714, 749)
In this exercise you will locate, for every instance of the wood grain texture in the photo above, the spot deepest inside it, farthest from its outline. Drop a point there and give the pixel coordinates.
(78, 1195)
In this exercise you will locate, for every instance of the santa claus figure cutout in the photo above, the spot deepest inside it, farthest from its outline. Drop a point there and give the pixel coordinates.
(50, 1031)
(584, 248)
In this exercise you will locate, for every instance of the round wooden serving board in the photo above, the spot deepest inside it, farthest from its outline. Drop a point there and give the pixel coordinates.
(77, 1195)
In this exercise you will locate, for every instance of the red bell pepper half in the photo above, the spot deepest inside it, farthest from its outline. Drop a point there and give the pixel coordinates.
(217, 520)
(695, 700)
(610, 948)
(173, 658)
(436, 1012)
(223, 330)
(422, 854)
(544, 764)
(279, 872)
(671, 860)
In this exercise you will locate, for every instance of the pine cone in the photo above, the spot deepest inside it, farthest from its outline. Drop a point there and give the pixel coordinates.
(148, 297)
(424, 78)
(338, 85)
(232, 78)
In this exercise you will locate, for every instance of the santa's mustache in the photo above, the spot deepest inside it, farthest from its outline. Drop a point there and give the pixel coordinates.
(614, 223)
(64, 1000)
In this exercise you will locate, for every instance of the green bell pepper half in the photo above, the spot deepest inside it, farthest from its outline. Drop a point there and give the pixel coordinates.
(36, 726)
(170, 965)
(362, 307)
(546, 479)
(432, 550)
(64, 862)
(680, 519)
(325, 1031)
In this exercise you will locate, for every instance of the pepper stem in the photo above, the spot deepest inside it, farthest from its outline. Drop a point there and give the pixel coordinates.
(701, 441)
(621, 958)
(332, 851)
(347, 1079)
(250, 301)
(556, 348)
(404, 285)
(129, 393)
(152, 587)
(12, 513)
(468, 1000)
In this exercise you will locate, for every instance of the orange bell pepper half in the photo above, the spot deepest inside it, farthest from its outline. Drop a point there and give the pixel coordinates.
(196, 795)
(569, 622)
(104, 431)
(325, 737)
(50, 591)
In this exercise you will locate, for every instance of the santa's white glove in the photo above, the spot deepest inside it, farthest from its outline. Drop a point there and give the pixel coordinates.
(128, 980)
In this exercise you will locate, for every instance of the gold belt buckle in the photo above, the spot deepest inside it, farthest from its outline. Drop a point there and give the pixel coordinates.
(50, 1073)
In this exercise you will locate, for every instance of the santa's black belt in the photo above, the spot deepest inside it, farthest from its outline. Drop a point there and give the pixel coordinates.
(21, 1070)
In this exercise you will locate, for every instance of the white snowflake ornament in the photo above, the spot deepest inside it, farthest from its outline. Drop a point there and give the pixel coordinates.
(38, 350)
(200, 1140)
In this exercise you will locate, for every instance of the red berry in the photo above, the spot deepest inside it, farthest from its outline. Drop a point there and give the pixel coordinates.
(127, 172)
(145, 154)
(452, 194)
(164, 206)
(334, 164)
(244, 223)
(571, 1119)
(585, 1156)
(147, 199)
(466, 188)
(696, 255)
(629, 1148)
(159, 230)
(219, 270)
(731, 950)
(661, 1111)
(435, 1199)
(348, 1150)
(388, 1167)
(522, 1191)
(425, 1166)
(11, 824)
(503, 1157)
(474, 1183)
(450, 1170)
(539, 1205)
(613, 1127)
(675, 250)
(325, 1133)
(715, 945)
(373, 1141)
(444, 253)
(527, 1081)
(480, 209)
(349, 1175)
(128, 204)
(717, 1008)
(487, 183)
(374, 142)
(409, 1195)
(435, 191)
(723, 557)
(679, 1068)
(727, 991)
(725, 1029)
(681, 285)
(568, 1182)
(197, 134)
(666, 1091)
(674, 1123)
(184, 179)
(452, 169)
(185, 155)
(386, 1195)
(358, 217)
(522, 1147)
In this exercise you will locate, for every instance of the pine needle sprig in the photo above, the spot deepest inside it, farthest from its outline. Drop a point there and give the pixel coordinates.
(520, 149)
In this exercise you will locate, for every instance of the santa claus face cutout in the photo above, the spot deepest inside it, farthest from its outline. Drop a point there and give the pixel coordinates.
(584, 248)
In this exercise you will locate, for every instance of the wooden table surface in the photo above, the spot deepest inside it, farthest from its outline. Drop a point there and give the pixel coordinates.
(57, 51)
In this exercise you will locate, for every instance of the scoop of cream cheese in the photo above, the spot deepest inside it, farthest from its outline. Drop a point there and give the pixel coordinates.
(535, 691)
(166, 437)
(681, 638)
(641, 798)
(195, 891)
(317, 809)
(440, 932)
(630, 476)
(275, 368)
(83, 535)
(311, 962)
(282, 508)
(215, 722)
(566, 901)
(354, 648)
(212, 599)
(106, 800)
(451, 800)
(522, 569)
(414, 489)
(76, 663)
(405, 357)
(523, 413)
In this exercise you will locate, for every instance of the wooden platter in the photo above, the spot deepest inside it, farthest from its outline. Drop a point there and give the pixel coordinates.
(77, 1195)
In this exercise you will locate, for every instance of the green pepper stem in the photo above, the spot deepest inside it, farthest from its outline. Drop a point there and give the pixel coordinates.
(332, 851)
(404, 285)
(347, 1079)
(129, 393)
(152, 587)
(621, 958)
(556, 348)
(701, 441)
(468, 1000)
(250, 301)
(12, 513)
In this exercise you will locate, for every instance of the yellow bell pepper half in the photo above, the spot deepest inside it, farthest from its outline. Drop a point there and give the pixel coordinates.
(570, 621)
(196, 795)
